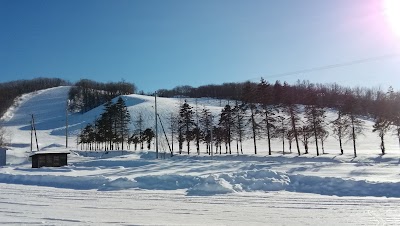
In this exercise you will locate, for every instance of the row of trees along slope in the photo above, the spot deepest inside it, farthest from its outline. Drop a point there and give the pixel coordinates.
(87, 94)
(258, 115)
(9, 91)
(294, 113)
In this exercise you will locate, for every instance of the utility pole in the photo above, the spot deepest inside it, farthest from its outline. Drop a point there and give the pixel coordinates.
(156, 129)
(66, 124)
(34, 129)
(31, 135)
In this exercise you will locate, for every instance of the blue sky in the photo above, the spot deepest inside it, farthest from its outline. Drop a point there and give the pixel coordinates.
(164, 43)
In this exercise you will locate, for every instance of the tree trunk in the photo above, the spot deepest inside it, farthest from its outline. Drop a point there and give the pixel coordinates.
(316, 139)
(187, 138)
(268, 133)
(295, 134)
(305, 142)
(172, 140)
(237, 146)
(198, 143)
(240, 132)
(180, 141)
(254, 131)
(382, 144)
(305, 146)
(122, 131)
(229, 145)
(340, 142)
(354, 137)
(398, 134)
(229, 138)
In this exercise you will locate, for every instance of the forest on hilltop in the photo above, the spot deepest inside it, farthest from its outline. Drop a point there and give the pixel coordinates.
(303, 93)
(87, 94)
(11, 90)
(84, 95)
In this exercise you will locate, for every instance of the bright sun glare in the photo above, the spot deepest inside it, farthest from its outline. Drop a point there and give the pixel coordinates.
(392, 12)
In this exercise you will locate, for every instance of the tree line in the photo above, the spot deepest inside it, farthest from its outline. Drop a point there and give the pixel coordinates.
(87, 94)
(330, 95)
(258, 115)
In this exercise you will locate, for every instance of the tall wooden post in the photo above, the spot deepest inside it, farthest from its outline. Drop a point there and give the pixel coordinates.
(156, 126)
(34, 129)
(66, 124)
(31, 135)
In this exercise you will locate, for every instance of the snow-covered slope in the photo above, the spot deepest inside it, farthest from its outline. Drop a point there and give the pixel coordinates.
(48, 107)
(234, 175)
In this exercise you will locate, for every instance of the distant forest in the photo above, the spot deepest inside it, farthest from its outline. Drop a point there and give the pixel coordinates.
(11, 90)
(303, 93)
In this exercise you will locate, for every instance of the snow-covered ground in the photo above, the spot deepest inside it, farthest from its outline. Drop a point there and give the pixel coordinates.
(132, 187)
(26, 205)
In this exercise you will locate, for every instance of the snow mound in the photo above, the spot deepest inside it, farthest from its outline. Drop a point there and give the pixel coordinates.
(70, 182)
(258, 180)
(268, 180)
(211, 185)
(167, 182)
(118, 184)
(341, 187)
(246, 181)
(195, 185)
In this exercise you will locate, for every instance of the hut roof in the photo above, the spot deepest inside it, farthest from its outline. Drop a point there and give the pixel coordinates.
(49, 152)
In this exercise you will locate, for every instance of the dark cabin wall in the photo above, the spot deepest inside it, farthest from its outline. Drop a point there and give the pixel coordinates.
(49, 160)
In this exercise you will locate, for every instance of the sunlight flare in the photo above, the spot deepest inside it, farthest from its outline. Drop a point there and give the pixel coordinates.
(392, 13)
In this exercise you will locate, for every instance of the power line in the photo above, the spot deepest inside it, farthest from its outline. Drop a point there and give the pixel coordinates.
(331, 66)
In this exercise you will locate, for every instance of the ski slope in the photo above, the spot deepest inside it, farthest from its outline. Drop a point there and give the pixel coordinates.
(132, 187)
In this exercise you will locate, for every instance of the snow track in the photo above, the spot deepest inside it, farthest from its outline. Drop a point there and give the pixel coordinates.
(23, 205)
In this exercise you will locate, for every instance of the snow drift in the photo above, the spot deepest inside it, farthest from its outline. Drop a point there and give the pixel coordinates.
(246, 181)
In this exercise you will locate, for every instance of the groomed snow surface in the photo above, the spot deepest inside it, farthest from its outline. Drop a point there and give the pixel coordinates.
(133, 188)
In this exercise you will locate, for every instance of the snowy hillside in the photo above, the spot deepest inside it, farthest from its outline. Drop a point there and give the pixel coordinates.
(48, 107)
(242, 183)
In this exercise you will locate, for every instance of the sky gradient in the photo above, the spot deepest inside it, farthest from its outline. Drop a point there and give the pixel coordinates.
(164, 43)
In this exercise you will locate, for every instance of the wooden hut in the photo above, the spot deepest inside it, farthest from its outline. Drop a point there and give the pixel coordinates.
(49, 158)
(3, 156)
